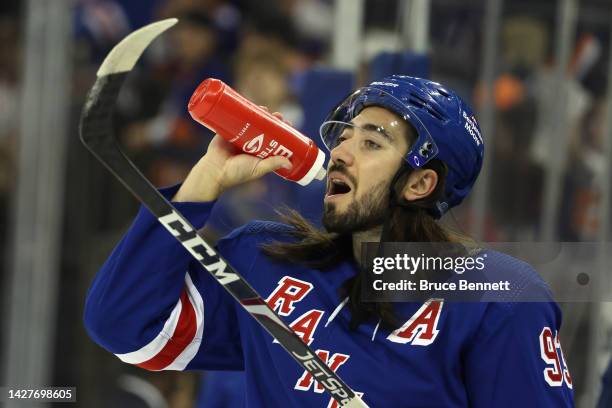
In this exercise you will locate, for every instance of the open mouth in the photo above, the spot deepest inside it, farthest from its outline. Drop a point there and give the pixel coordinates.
(337, 187)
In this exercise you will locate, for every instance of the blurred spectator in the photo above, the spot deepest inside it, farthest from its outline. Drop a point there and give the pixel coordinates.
(264, 79)
(9, 102)
(159, 129)
(525, 44)
(10, 63)
(174, 8)
(544, 88)
(225, 15)
(516, 180)
(140, 12)
(455, 40)
(273, 34)
(313, 21)
(99, 25)
(194, 43)
(585, 176)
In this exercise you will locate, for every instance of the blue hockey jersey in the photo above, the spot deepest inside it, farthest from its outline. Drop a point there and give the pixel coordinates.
(152, 305)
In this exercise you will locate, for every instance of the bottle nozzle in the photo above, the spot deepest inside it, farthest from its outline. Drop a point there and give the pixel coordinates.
(321, 174)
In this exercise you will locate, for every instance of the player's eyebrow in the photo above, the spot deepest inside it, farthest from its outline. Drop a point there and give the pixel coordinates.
(379, 129)
(376, 128)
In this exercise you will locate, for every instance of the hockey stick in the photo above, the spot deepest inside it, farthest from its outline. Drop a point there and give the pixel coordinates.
(97, 135)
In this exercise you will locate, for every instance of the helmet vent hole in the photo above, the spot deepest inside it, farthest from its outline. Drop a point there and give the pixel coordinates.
(417, 102)
(422, 101)
(443, 92)
(435, 114)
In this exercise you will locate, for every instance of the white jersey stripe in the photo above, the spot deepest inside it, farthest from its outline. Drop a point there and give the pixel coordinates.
(155, 346)
(190, 351)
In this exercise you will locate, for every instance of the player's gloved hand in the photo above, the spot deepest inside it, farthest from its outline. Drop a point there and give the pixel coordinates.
(225, 166)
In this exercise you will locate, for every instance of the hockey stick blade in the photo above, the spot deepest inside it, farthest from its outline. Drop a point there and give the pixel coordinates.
(97, 135)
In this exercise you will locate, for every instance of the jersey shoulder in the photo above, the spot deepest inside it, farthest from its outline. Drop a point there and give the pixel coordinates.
(260, 230)
(267, 227)
(530, 300)
(249, 237)
(526, 284)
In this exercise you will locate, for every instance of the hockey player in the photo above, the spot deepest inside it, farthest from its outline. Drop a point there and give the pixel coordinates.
(403, 151)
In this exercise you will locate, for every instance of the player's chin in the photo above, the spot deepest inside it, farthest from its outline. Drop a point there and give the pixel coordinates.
(335, 210)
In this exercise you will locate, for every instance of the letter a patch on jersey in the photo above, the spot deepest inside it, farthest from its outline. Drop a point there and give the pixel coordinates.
(305, 325)
(422, 328)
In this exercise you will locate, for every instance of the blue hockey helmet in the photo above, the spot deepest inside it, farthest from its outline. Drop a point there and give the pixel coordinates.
(445, 126)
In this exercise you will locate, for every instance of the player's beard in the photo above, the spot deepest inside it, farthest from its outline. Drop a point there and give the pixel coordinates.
(361, 215)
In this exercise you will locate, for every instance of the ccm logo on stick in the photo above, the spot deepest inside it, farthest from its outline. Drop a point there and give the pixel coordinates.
(197, 247)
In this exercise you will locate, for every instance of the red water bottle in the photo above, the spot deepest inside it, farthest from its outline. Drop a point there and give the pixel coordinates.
(255, 131)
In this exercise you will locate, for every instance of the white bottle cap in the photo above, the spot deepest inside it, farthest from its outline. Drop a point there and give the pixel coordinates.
(317, 171)
(321, 174)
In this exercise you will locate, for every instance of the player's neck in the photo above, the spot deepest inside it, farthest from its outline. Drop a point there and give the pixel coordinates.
(372, 235)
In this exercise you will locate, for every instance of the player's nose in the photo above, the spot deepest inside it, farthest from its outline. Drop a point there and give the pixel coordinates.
(342, 153)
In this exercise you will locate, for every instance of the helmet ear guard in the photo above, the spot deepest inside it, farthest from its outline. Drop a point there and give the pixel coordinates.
(424, 148)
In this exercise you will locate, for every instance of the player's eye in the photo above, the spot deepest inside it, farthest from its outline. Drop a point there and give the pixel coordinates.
(370, 144)
(337, 141)
(344, 134)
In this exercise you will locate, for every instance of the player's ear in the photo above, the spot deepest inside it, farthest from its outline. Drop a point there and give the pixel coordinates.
(420, 184)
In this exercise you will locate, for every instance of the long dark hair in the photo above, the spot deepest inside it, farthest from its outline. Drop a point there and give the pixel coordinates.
(410, 221)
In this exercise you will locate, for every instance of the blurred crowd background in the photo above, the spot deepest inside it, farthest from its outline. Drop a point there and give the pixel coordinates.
(535, 70)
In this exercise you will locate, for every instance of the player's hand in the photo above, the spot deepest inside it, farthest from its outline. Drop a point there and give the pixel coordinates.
(225, 166)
